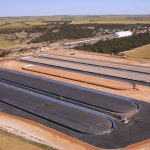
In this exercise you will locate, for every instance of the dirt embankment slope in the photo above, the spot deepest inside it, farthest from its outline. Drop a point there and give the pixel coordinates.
(40, 133)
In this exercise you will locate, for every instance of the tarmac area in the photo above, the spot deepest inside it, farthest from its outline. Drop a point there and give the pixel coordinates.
(50, 109)
(117, 106)
(96, 128)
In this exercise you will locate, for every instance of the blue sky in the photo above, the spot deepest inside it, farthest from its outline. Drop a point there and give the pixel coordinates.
(72, 7)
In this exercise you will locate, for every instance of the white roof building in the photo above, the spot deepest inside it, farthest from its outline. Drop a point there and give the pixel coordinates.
(123, 34)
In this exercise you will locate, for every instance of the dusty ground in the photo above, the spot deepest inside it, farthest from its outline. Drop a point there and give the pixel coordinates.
(24, 49)
(144, 145)
(57, 48)
(52, 137)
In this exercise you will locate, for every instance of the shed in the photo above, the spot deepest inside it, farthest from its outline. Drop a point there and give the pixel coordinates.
(122, 34)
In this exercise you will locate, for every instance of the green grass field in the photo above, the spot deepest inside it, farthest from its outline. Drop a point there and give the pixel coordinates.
(7, 43)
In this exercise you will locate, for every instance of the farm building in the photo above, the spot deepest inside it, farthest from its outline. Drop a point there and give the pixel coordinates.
(122, 34)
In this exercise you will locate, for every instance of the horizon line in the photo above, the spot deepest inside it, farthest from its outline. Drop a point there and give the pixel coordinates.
(76, 15)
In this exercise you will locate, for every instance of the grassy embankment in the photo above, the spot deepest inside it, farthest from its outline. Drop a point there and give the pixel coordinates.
(12, 142)
(7, 43)
(3, 44)
(141, 52)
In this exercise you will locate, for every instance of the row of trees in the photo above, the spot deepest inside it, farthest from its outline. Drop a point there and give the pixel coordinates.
(65, 32)
(32, 29)
(116, 46)
(43, 28)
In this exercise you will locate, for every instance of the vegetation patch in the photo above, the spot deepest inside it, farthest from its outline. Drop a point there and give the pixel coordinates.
(4, 53)
(118, 45)
(31, 29)
(65, 32)
(7, 43)
(141, 52)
